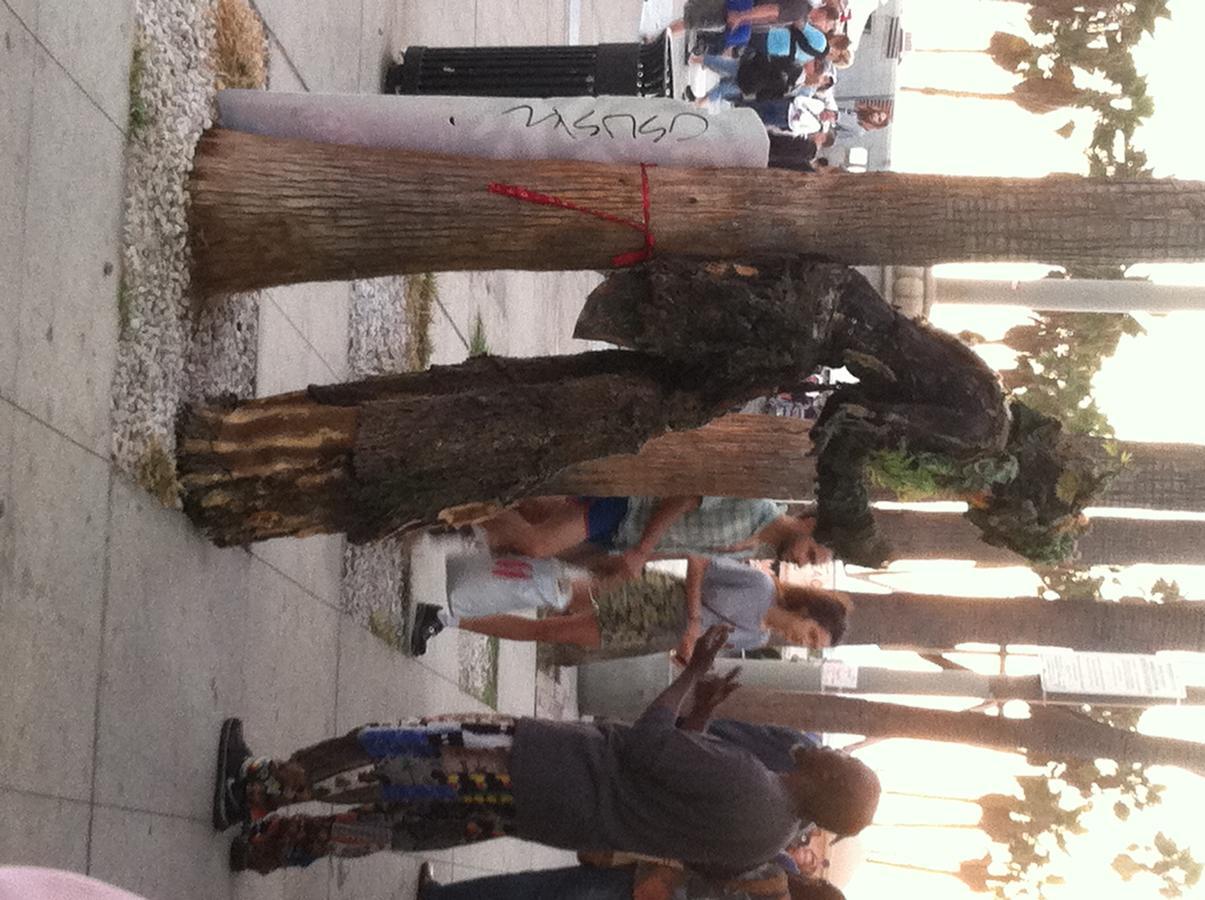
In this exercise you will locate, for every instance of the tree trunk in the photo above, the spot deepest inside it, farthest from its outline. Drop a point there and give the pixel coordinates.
(956, 94)
(734, 456)
(268, 211)
(366, 463)
(1121, 542)
(940, 623)
(1114, 295)
(791, 676)
(1159, 476)
(1045, 734)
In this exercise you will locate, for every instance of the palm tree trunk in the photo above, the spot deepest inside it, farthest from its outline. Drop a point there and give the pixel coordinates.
(1048, 734)
(734, 456)
(268, 211)
(1122, 542)
(960, 95)
(1159, 476)
(940, 623)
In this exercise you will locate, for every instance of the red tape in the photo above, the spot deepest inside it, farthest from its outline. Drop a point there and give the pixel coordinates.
(526, 195)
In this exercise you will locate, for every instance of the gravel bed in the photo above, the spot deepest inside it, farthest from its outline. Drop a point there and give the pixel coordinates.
(376, 576)
(376, 579)
(167, 354)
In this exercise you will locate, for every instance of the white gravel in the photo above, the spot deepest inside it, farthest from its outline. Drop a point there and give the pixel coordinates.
(167, 354)
(376, 589)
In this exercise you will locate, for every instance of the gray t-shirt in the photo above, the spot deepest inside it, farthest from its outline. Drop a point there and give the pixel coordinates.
(737, 595)
(648, 788)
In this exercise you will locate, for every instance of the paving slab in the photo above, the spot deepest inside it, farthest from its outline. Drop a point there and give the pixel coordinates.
(175, 646)
(18, 52)
(24, 10)
(510, 23)
(55, 513)
(93, 40)
(40, 830)
(323, 42)
(315, 564)
(289, 661)
(281, 76)
(8, 551)
(384, 876)
(429, 24)
(67, 325)
(287, 361)
(160, 856)
(318, 312)
(376, 43)
(516, 678)
(378, 684)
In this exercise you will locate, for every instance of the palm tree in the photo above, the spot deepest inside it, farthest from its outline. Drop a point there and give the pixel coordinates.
(269, 211)
(940, 623)
(1046, 734)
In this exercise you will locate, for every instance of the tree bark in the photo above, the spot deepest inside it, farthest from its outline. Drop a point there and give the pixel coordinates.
(734, 456)
(1046, 733)
(793, 677)
(1121, 542)
(372, 458)
(935, 622)
(1159, 476)
(268, 211)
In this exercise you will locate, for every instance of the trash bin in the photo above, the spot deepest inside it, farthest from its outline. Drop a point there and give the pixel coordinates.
(629, 70)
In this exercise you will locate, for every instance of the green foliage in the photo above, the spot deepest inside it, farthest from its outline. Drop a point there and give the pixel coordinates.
(1164, 591)
(1029, 498)
(478, 342)
(1071, 584)
(140, 114)
(1164, 859)
(1039, 513)
(1058, 356)
(920, 476)
(422, 296)
(1050, 811)
(1076, 42)
(382, 624)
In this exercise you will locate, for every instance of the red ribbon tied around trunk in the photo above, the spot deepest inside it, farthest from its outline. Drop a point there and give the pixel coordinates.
(526, 195)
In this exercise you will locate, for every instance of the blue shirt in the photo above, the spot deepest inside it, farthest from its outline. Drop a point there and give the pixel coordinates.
(778, 43)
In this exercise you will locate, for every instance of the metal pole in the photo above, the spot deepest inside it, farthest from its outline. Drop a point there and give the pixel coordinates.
(805, 678)
(1072, 294)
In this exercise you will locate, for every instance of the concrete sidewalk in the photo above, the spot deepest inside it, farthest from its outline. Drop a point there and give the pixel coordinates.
(125, 638)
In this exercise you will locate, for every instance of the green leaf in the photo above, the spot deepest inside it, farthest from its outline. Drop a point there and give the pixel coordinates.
(1067, 488)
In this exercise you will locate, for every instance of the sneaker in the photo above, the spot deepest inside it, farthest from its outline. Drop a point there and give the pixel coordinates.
(426, 626)
(240, 854)
(229, 800)
(688, 94)
(426, 881)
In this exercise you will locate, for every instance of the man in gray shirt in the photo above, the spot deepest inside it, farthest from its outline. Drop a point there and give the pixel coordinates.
(650, 788)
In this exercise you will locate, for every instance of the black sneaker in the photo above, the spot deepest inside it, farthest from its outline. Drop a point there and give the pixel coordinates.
(688, 94)
(240, 854)
(426, 881)
(229, 800)
(426, 626)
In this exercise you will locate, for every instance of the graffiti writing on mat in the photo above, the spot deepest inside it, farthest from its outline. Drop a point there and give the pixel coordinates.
(682, 126)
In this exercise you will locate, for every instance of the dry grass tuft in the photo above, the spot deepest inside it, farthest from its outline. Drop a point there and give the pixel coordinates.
(241, 53)
(421, 294)
(156, 471)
